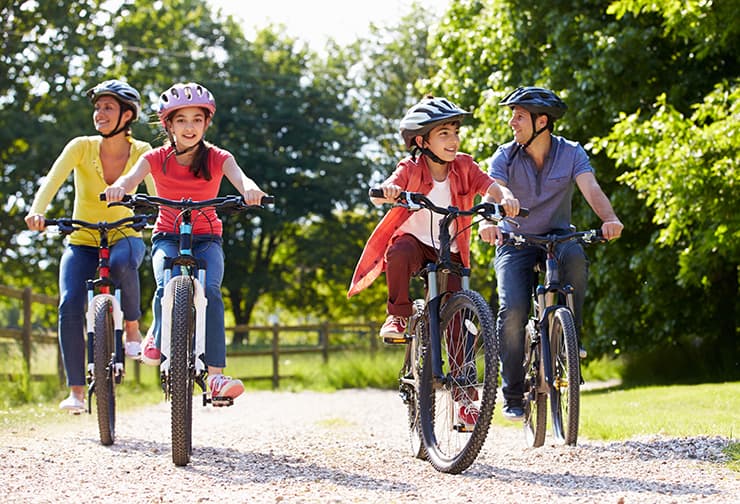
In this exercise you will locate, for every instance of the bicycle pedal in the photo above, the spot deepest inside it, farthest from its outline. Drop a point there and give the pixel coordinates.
(464, 427)
(219, 402)
(396, 340)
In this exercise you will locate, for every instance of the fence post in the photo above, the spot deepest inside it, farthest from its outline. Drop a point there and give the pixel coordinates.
(324, 339)
(27, 329)
(275, 355)
(373, 338)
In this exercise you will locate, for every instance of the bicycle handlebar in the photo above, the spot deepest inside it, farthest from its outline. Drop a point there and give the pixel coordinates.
(588, 237)
(232, 202)
(417, 201)
(68, 225)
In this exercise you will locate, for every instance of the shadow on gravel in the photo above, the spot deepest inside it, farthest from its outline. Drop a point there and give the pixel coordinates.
(669, 451)
(236, 467)
(565, 484)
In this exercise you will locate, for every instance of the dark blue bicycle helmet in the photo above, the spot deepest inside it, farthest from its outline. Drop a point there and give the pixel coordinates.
(536, 100)
(126, 95)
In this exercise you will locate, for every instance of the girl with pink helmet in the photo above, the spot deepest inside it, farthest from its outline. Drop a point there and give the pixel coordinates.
(189, 167)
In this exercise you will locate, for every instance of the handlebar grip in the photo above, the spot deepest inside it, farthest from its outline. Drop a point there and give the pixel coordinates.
(267, 200)
(126, 197)
(523, 212)
(375, 192)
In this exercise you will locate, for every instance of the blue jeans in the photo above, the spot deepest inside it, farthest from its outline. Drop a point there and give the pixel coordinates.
(208, 248)
(78, 264)
(515, 276)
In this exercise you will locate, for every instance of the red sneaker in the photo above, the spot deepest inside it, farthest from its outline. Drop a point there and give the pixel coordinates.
(224, 386)
(394, 327)
(468, 413)
(150, 354)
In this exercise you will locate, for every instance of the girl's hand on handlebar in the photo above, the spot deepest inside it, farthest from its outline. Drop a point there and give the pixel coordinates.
(612, 229)
(36, 222)
(114, 193)
(253, 196)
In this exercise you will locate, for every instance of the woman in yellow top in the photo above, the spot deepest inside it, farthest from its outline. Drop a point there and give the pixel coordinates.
(97, 161)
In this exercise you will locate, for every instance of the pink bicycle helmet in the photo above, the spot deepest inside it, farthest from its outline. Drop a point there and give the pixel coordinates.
(183, 95)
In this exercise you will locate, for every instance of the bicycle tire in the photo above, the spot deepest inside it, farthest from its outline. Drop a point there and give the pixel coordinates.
(565, 392)
(411, 372)
(103, 345)
(535, 399)
(465, 317)
(181, 370)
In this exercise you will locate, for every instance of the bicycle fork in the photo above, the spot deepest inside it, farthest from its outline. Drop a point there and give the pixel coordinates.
(199, 346)
(116, 358)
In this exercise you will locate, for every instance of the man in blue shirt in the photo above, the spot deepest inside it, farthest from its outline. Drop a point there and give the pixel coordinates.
(542, 169)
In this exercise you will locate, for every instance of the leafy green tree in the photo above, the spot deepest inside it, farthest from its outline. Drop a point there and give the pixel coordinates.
(605, 63)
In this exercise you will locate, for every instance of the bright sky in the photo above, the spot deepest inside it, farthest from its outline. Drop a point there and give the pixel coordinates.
(314, 21)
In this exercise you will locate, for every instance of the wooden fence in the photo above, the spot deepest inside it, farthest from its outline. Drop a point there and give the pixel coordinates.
(273, 340)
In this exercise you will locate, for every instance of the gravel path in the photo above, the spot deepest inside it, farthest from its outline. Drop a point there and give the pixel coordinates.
(348, 446)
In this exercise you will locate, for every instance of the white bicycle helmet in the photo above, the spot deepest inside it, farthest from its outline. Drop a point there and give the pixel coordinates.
(425, 115)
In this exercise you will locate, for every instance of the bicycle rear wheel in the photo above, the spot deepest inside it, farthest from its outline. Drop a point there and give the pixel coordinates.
(103, 374)
(565, 393)
(181, 370)
(470, 369)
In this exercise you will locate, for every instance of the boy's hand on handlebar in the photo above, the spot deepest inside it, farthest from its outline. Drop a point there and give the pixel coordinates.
(391, 192)
(612, 229)
(35, 222)
(114, 193)
(253, 196)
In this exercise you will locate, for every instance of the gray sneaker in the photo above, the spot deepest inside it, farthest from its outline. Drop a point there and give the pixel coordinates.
(513, 411)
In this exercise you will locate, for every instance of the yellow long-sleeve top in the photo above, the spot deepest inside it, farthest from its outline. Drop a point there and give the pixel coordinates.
(82, 155)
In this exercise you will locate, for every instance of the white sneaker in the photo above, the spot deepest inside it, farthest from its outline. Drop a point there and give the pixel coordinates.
(133, 349)
(72, 404)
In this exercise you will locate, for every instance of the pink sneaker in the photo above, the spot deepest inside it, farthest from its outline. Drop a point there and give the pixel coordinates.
(393, 327)
(224, 386)
(468, 413)
(150, 354)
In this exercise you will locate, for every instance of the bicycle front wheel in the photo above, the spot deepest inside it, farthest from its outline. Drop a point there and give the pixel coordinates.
(565, 392)
(182, 370)
(449, 404)
(410, 377)
(535, 395)
(103, 374)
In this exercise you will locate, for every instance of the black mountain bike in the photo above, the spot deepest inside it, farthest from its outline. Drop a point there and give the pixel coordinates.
(452, 353)
(183, 339)
(104, 321)
(552, 360)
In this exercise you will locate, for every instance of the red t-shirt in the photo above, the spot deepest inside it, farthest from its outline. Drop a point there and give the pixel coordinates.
(176, 182)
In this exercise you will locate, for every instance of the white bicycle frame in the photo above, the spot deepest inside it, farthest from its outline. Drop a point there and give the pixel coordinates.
(200, 302)
(115, 300)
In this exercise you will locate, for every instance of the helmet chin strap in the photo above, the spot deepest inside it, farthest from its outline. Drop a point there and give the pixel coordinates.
(519, 146)
(427, 152)
(116, 130)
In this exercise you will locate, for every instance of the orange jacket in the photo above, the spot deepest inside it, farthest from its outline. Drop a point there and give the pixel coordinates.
(466, 181)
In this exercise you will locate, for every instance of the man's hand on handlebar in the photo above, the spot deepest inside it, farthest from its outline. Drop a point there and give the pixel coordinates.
(490, 232)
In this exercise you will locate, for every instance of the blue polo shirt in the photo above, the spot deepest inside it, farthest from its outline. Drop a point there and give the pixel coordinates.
(547, 192)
